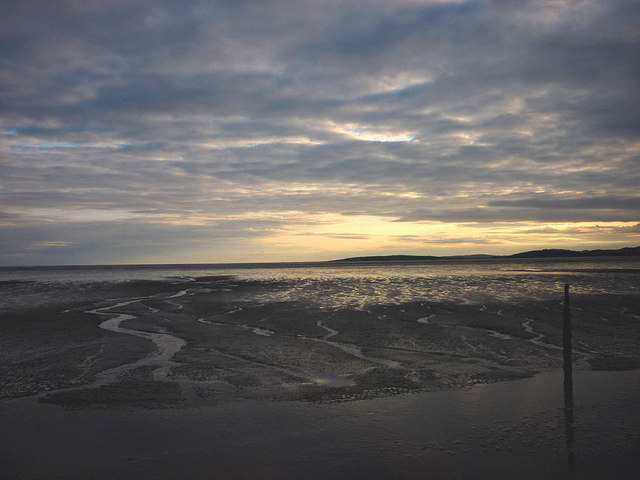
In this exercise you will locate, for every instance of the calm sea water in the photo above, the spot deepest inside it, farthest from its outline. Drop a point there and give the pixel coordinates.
(339, 285)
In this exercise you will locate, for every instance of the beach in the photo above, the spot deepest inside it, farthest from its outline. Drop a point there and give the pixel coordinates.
(515, 429)
(289, 374)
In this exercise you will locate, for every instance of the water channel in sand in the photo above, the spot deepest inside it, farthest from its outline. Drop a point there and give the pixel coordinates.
(168, 345)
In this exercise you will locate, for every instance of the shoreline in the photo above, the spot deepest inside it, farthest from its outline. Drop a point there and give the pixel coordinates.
(512, 429)
(470, 259)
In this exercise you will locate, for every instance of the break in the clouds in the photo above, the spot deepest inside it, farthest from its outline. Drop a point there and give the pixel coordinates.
(206, 131)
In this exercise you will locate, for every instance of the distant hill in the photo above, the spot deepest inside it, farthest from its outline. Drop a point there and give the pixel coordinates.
(545, 253)
(558, 252)
(388, 258)
(411, 258)
(471, 257)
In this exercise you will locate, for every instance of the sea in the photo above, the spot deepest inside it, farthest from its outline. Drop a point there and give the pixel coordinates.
(341, 285)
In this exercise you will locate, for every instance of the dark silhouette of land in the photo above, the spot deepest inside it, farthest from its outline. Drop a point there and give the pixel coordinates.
(558, 252)
(544, 253)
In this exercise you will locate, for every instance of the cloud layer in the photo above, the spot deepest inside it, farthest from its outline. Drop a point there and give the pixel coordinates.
(281, 130)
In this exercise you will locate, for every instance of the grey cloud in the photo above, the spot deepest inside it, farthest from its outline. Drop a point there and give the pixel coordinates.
(590, 203)
(597, 229)
(140, 147)
(458, 240)
(472, 215)
(340, 236)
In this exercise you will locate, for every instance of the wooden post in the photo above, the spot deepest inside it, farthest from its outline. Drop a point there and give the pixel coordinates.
(566, 338)
(568, 377)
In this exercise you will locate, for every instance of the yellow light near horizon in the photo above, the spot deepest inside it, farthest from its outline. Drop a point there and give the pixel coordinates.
(331, 235)
(338, 233)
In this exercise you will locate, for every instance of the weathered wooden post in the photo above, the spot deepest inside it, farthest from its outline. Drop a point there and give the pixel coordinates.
(568, 377)
(566, 338)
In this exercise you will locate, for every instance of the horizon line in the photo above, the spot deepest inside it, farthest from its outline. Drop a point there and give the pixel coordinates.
(360, 258)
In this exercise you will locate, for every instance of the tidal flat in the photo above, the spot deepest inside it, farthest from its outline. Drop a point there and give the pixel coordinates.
(407, 372)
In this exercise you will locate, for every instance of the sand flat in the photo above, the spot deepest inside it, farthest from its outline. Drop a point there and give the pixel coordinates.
(225, 377)
(515, 429)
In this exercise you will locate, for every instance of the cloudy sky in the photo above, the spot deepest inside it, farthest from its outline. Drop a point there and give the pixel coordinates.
(284, 130)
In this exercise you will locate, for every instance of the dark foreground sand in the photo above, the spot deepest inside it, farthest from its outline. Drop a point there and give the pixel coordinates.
(164, 380)
(517, 429)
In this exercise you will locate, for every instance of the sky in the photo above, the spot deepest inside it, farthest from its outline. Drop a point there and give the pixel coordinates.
(293, 130)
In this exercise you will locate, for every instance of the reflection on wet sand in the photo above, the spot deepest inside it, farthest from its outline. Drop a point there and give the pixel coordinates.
(567, 334)
(568, 421)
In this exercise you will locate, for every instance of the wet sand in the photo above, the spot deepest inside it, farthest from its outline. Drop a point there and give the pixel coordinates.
(516, 429)
(157, 379)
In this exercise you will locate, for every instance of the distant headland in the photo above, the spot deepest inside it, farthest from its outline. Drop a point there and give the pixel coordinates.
(545, 253)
